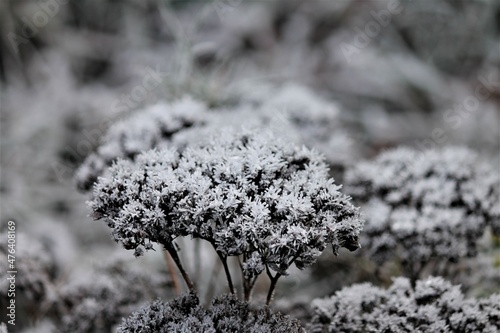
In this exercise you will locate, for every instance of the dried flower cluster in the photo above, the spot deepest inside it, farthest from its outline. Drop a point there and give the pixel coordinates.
(150, 128)
(422, 205)
(292, 110)
(434, 305)
(248, 194)
(33, 259)
(226, 315)
(96, 300)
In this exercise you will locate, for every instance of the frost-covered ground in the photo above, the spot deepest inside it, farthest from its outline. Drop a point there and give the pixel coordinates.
(85, 83)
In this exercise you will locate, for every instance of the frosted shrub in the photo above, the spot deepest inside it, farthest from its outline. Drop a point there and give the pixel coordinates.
(295, 109)
(434, 305)
(35, 285)
(292, 110)
(149, 128)
(226, 315)
(425, 205)
(95, 300)
(248, 194)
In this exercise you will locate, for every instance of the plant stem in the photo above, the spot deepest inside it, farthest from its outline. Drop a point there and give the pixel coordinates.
(173, 252)
(171, 270)
(228, 273)
(274, 280)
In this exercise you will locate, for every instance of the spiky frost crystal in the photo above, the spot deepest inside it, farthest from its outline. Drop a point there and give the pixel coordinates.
(421, 205)
(226, 315)
(247, 193)
(434, 305)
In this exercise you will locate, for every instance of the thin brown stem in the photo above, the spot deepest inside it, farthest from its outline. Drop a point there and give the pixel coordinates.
(223, 259)
(172, 271)
(175, 256)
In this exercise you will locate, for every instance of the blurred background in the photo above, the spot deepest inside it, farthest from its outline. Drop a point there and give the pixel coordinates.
(418, 73)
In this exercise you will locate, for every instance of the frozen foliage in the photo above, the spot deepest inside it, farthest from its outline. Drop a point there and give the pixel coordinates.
(150, 128)
(95, 300)
(3, 328)
(226, 314)
(37, 265)
(247, 193)
(292, 110)
(434, 305)
(312, 120)
(422, 205)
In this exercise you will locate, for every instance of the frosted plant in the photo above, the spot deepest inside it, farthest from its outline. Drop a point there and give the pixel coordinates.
(96, 299)
(3, 328)
(292, 110)
(425, 205)
(226, 314)
(313, 120)
(34, 285)
(150, 128)
(433, 305)
(248, 194)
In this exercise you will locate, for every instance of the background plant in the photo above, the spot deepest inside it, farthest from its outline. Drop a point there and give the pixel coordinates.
(424, 207)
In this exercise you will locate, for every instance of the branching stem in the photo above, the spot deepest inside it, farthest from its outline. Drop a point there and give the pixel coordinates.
(175, 256)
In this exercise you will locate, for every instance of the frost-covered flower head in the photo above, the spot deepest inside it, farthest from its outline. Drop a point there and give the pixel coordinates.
(33, 258)
(421, 205)
(433, 305)
(248, 193)
(225, 315)
(96, 298)
(149, 128)
(294, 110)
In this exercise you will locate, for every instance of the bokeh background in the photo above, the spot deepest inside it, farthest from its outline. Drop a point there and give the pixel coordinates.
(418, 73)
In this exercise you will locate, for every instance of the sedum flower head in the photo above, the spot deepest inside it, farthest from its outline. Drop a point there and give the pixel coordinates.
(433, 305)
(150, 128)
(428, 204)
(226, 314)
(247, 193)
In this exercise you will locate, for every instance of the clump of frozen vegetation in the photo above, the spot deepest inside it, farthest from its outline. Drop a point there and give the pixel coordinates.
(149, 128)
(433, 305)
(425, 205)
(293, 111)
(34, 286)
(249, 194)
(94, 300)
(314, 120)
(226, 314)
